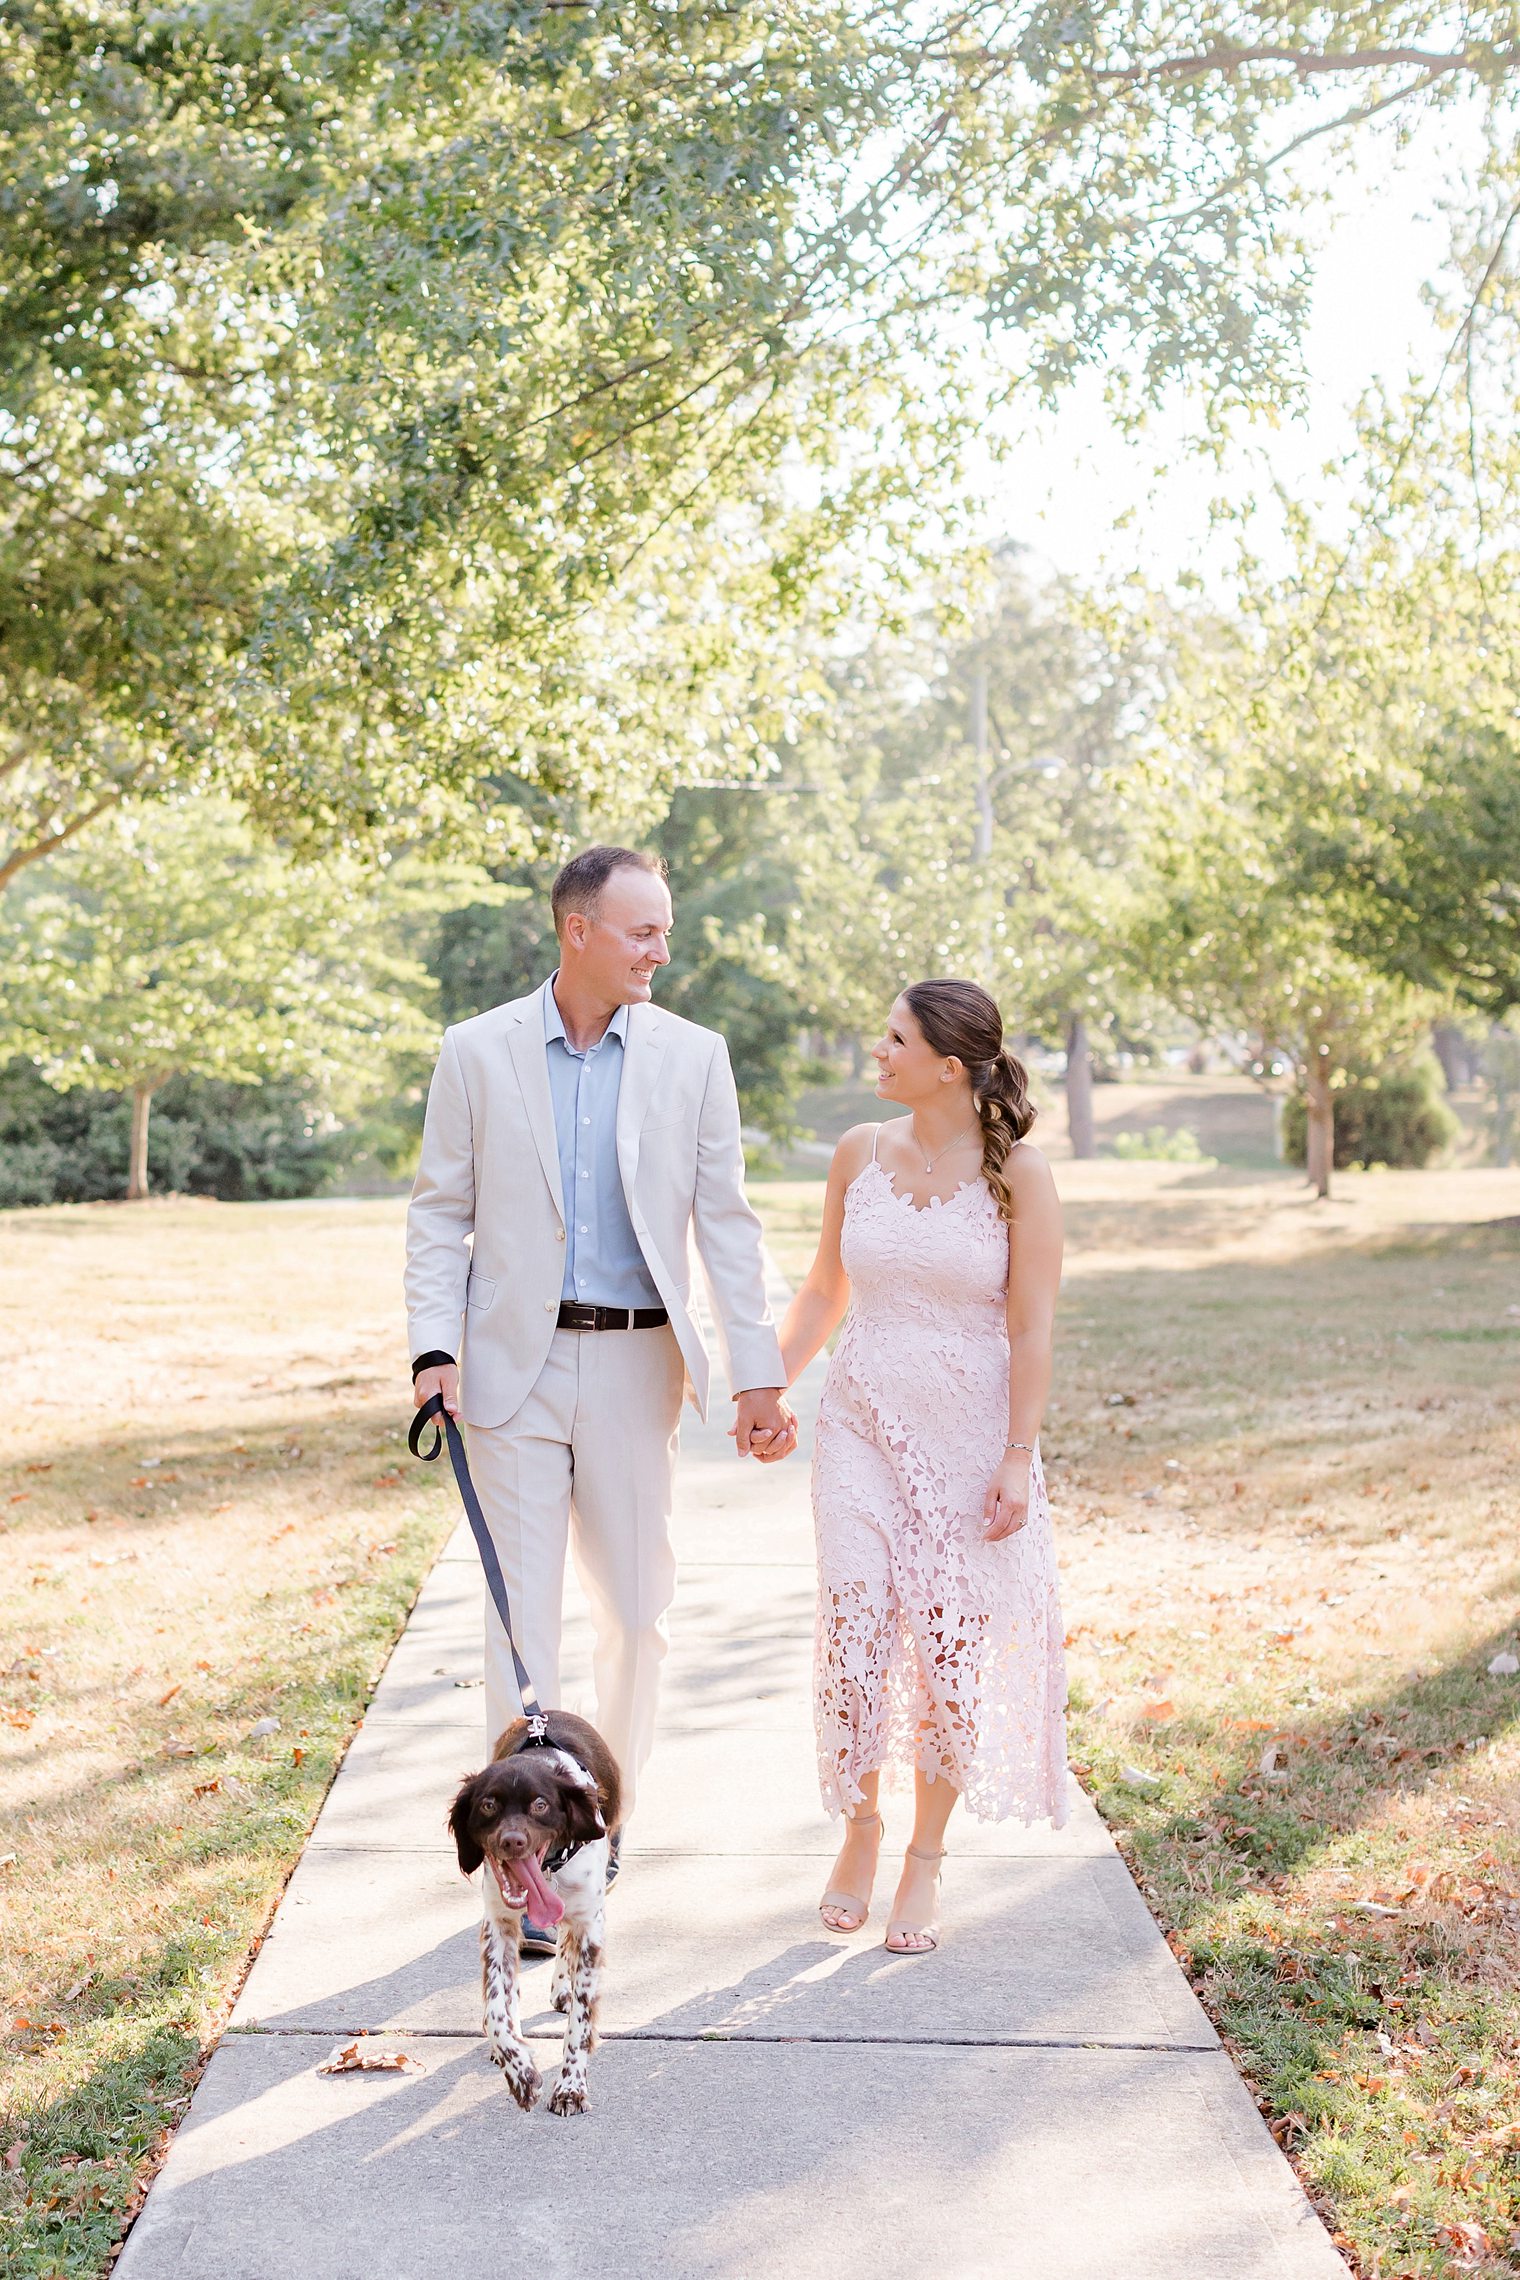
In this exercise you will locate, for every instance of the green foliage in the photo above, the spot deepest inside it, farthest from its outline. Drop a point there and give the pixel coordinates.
(1023, 874)
(731, 966)
(485, 954)
(241, 1143)
(1395, 1116)
(730, 886)
(1156, 1145)
(1361, 716)
(396, 403)
(173, 944)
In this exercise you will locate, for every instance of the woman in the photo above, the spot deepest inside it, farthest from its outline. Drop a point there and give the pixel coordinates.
(939, 1629)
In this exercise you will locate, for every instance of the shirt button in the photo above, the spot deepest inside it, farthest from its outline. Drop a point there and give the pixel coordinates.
(585, 1175)
(585, 1120)
(585, 1231)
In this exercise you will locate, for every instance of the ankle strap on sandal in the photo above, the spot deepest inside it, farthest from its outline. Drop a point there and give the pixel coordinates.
(919, 1854)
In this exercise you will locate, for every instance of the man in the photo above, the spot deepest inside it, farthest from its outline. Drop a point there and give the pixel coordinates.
(574, 1141)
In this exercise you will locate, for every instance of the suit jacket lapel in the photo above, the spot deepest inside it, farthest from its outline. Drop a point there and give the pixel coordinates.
(529, 1058)
(642, 1049)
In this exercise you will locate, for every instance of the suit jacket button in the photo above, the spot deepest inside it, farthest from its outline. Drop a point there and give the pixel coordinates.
(559, 1234)
(550, 1307)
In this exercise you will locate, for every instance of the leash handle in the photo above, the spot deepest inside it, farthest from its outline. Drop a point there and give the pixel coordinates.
(432, 1412)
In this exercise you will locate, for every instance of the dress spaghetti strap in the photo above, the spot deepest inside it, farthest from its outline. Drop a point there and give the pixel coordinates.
(875, 1136)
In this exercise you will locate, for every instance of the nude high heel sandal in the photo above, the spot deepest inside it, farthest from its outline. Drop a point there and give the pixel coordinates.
(840, 1901)
(928, 1934)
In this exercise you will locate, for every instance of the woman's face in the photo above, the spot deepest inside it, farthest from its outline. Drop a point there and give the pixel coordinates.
(907, 1067)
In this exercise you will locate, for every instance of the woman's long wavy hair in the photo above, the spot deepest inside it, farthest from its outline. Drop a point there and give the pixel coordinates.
(961, 1019)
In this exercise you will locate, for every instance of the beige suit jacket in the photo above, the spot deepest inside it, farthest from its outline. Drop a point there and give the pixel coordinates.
(486, 1229)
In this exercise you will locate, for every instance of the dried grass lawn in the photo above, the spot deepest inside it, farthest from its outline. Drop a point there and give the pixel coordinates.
(209, 1522)
(1284, 1463)
(1283, 1460)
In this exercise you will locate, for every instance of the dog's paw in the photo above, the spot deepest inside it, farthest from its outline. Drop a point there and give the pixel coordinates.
(522, 2076)
(560, 1999)
(569, 2098)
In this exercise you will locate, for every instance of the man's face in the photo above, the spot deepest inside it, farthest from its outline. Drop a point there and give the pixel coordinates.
(616, 951)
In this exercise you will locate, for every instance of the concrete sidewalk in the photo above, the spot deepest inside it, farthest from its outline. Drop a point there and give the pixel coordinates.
(1042, 2100)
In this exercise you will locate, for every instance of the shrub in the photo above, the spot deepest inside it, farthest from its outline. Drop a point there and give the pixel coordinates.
(1397, 1117)
(243, 1143)
(1158, 1146)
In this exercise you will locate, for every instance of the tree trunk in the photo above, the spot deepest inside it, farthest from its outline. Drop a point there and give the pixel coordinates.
(1079, 1088)
(1447, 1044)
(137, 1177)
(1321, 1132)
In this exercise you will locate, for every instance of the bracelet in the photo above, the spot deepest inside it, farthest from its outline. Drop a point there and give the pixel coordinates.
(1027, 1446)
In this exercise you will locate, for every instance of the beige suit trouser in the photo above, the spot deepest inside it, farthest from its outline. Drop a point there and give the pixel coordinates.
(588, 1461)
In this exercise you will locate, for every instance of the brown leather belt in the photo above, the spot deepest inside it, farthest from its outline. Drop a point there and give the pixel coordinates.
(574, 1317)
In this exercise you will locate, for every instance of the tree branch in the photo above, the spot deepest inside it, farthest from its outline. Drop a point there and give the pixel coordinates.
(1306, 62)
(21, 855)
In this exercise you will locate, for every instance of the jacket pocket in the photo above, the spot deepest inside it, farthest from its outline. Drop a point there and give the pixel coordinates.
(480, 1292)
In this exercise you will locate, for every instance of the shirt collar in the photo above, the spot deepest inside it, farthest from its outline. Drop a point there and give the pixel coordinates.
(554, 1025)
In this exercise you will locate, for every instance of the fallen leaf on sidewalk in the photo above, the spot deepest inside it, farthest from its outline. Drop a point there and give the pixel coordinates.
(353, 2058)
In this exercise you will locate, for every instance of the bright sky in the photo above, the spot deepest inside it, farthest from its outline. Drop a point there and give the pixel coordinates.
(1068, 487)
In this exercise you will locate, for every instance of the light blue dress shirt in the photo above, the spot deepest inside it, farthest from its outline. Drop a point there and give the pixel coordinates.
(603, 1263)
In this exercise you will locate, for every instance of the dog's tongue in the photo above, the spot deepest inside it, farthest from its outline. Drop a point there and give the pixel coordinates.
(544, 1906)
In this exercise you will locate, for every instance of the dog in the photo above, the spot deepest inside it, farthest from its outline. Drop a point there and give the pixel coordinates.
(540, 1816)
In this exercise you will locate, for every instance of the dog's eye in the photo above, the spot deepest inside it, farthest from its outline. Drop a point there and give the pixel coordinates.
(486, 1808)
(540, 1806)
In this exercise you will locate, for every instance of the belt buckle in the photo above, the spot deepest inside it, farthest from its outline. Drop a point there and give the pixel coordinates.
(581, 1317)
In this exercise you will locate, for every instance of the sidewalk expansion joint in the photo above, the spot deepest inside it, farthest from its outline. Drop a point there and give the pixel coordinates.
(738, 2035)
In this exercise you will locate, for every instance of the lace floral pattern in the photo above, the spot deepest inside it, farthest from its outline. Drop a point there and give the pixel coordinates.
(935, 1649)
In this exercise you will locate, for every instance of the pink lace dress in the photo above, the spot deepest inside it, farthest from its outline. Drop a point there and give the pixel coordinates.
(935, 1649)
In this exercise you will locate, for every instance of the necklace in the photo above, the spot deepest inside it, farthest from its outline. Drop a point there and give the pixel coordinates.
(931, 1161)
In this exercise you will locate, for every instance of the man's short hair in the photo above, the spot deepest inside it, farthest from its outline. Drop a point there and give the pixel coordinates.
(579, 885)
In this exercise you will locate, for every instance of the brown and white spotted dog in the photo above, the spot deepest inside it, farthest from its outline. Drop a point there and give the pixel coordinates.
(521, 1815)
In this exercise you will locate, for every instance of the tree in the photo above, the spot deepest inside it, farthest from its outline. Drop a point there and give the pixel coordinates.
(1238, 936)
(984, 821)
(732, 888)
(171, 944)
(1501, 1071)
(397, 402)
(1383, 669)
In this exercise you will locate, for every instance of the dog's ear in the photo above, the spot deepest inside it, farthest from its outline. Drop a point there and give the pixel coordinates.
(461, 1813)
(582, 1809)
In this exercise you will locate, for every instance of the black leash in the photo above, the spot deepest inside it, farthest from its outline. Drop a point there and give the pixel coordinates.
(444, 1428)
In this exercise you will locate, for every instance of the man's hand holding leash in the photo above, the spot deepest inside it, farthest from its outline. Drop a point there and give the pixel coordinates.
(442, 1379)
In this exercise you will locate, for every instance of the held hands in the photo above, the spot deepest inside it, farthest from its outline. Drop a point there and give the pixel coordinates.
(1006, 1505)
(764, 1425)
(445, 1380)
